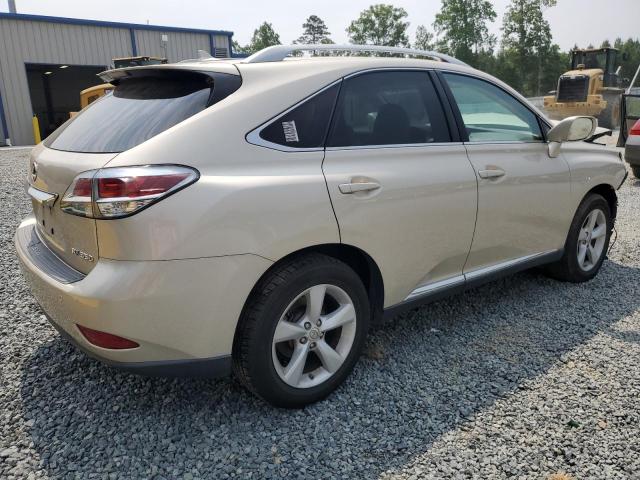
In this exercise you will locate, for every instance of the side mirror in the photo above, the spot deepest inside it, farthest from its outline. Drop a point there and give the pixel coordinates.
(571, 129)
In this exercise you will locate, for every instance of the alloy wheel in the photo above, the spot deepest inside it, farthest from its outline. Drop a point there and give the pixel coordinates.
(314, 336)
(592, 239)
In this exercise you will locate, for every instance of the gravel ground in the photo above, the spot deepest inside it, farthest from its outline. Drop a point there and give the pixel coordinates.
(525, 377)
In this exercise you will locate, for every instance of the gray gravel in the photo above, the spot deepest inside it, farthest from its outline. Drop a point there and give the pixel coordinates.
(524, 378)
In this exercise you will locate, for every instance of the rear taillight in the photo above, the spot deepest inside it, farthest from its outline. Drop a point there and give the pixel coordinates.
(122, 191)
(635, 130)
(78, 197)
(106, 340)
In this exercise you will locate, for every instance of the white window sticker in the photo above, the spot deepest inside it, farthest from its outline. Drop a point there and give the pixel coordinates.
(290, 131)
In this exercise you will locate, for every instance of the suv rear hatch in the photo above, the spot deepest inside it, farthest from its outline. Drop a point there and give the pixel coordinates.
(145, 103)
(53, 171)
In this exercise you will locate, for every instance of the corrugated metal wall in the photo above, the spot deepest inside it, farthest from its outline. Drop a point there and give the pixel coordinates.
(179, 45)
(26, 41)
(221, 43)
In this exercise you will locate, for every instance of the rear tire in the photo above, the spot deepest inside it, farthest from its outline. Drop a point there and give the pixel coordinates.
(587, 243)
(290, 320)
(636, 171)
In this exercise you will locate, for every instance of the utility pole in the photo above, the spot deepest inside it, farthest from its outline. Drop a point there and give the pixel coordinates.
(12, 6)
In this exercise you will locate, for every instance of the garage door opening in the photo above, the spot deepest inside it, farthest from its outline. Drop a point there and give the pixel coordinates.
(55, 91)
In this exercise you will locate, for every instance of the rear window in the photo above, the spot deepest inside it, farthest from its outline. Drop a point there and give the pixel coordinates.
(138, 109)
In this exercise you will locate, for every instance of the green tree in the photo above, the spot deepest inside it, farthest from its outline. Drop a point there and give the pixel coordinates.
(527, 34)
(264, 36)
(424, 39)
(629, 59)
(462, 27)
(237, 48)
(315, 31)
(380, 25)
(554, 64)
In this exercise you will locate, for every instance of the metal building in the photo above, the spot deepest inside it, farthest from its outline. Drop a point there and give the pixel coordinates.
(46, 61)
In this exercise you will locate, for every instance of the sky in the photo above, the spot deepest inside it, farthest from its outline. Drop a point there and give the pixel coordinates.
(572, 22)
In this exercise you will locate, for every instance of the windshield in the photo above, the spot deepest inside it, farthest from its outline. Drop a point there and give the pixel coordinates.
(590, 60)
(137, 110)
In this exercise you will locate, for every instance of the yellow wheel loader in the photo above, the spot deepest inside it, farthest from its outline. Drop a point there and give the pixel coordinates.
(592, 87)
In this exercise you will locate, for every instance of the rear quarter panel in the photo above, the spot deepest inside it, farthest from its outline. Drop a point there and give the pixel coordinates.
(270, 207)
(249, 199)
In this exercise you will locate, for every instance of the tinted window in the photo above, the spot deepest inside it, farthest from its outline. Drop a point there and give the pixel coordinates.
(138, 109)
(491, 114)
(388, 108)
(306, 125)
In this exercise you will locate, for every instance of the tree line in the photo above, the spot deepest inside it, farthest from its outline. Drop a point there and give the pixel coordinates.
(524, 56)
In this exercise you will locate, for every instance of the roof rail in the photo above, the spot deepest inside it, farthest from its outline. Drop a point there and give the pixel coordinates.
(278, 53)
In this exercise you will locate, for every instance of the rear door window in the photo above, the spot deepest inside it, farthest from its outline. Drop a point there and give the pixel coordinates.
(388, 108)
(138, 109)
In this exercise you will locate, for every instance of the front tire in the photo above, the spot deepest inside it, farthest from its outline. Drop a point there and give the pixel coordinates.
(302, 331)
(587, 243)
(636, 171)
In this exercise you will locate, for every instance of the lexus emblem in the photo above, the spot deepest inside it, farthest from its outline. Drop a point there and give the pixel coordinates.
(34, 170)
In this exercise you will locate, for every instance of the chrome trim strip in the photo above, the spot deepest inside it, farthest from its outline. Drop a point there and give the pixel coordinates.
(481, 272)
(435, 286)
(505, 142)
(474, 275)
(394, 145)
(390, 69)
(44, 198)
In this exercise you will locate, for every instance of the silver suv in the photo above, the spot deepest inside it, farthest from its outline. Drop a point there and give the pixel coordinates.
(257, 215)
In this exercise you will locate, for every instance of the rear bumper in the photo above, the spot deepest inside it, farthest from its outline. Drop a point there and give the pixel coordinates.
(197, 367)
(182, 313)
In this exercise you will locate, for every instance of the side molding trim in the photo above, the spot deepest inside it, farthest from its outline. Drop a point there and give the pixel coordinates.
(451, 286)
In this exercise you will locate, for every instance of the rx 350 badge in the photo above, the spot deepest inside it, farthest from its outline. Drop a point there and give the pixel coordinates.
(83, 255)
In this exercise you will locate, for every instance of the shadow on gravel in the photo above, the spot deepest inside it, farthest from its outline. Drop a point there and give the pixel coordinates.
(424, 374)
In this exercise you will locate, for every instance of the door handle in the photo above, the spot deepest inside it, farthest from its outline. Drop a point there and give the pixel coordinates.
(492, 173)
(354, 187)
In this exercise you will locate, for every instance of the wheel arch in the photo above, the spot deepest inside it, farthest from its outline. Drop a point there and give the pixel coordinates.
(362, 263)
(609, 194)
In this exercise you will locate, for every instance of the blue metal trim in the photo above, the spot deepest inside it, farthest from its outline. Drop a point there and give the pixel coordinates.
(99, 23)
(134, 45)
(39, 64)
(3, 119)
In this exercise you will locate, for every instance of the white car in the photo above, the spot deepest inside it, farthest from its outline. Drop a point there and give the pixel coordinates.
(257, 214)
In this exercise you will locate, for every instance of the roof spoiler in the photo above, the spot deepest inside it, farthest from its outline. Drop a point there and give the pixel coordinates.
(117, 74)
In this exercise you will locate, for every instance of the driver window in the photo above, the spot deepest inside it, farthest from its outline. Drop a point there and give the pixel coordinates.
(490, 114)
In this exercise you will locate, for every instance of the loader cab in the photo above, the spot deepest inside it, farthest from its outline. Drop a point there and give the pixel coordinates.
(601, 58)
